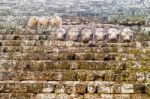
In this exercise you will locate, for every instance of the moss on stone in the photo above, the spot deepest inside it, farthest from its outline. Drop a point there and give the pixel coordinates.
(35, 88)
(62, 65)
(82, 65)
(98, 56)
(69, 76)
(81, 76)
(21, 96)
(12, 42)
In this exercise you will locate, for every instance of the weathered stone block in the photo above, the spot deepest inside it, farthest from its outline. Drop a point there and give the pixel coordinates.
(21, 95)
(66, 56)
(59, 88)
(117, 88)
(126, 96)
(48, 88)
(12, 42)
(99, 56)
(139, 88)
(6, 88)
(106, 96)
(63, 96)
(20, 88)
(140, 77)
(34, 88)
(148, 77)
(45, 96)
(3, 31)
(69, 87)
(57, 65)
(90, 77)
(105, 88)
(84, 56)
(57, 76)
(127, 88)
(147, 89)
(28, 43)
(81, 76)
(69, 76)
(92, 96)
(92, 65)
(80, 88)
(91, 88)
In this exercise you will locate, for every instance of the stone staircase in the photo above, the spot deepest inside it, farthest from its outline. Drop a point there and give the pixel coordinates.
(35, 65)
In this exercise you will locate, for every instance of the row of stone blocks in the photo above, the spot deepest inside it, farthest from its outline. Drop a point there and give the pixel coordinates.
(52, 37)
(39, 65)
(74, 56)
(56, 43)
(83, 35)
(70, 96)
(134, 76)
(72, 90)
(65, 49)
(69, 87)
(86, 35)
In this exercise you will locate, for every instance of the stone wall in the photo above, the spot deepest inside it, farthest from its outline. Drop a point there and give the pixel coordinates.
(34, 64)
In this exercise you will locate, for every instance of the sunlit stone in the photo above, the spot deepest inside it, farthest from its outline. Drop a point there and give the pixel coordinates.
(74, 34)
(113, 34)
(33, 22)
(56, 21)
(100, 34)
(87, 35)
(61, 33)
(127, 34)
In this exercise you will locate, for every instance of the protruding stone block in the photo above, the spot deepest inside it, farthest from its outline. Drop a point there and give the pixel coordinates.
(113, 34)
(127, 34)
(56, 21)
(73, 34)
(100, 34)
(33, 22)
(86, 35)
(60, 34)
(43, 21)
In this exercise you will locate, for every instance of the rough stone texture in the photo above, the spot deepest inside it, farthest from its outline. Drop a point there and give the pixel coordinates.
(38, 63)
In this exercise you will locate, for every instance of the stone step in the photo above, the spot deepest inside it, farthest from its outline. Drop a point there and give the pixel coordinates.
(76, 75)
(38, 65)
(48, 37)
(51, 36)
(71, 96)
(10, 34)
(74, 56)
(53, 43)
(45, 49)
(73, 87)
(58, 43)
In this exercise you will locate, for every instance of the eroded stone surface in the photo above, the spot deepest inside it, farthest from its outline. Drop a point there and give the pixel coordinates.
(55, 60)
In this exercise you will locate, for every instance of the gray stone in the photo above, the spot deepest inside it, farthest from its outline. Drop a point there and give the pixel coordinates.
(45, 96)
(127, 88)
(91, 88)
(63, 96)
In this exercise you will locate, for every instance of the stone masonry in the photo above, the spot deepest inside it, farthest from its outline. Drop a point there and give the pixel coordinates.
(97, 53)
